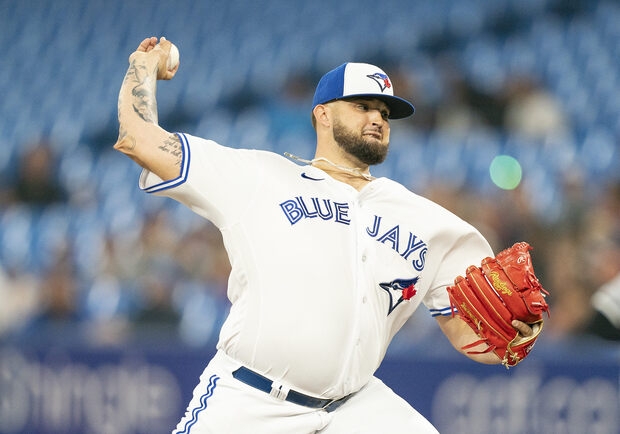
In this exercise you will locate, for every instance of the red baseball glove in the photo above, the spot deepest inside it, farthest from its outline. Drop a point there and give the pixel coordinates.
(491, 296)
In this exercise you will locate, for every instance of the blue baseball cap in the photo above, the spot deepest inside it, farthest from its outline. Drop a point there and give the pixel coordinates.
(361, 80)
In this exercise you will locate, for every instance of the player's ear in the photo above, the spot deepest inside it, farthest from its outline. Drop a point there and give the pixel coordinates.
(322, 115)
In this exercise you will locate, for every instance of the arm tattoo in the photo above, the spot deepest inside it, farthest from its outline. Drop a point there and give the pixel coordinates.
(172, 146)
(144, 102)
(142, 85)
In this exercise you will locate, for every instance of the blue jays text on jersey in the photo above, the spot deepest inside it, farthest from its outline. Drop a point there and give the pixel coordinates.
(298, 208)
(410, 247)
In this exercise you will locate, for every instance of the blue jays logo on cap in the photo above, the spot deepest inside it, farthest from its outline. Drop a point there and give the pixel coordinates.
(351, 80)
(399, 290)
(382, 80)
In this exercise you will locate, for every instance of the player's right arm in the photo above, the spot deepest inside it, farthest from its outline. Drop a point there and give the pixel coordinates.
(140, 137)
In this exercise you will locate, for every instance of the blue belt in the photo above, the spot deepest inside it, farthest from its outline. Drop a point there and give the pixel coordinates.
(264, 384)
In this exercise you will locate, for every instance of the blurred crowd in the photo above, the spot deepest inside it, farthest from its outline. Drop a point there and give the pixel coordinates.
(158, 279)
(577, 252)
(174, 281)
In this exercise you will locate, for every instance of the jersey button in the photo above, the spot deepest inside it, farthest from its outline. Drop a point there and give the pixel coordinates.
(364, 257)
(364, 299)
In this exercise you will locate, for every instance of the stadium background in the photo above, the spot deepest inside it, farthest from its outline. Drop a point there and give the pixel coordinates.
(110, 300)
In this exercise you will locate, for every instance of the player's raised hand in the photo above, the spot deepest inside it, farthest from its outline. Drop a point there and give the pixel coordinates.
(166, 52)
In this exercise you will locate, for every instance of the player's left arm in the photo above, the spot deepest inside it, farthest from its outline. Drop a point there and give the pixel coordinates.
(461, 335)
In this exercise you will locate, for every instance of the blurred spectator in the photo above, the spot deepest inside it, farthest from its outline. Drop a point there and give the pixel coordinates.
(19, 301)
(156, 271)
(36, 181)
(203, 259)
(463, 107)
(200, 294)
(575, 203)
(602, 262)
(600, 238)
(605, 322)
(59, 312)
(569, 300)
(155, 306)
(411, 86)
(583, 256)
(289, 110)
(531, 110)
(59, 292)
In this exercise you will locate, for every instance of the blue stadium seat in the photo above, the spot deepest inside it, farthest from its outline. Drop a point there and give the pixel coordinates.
(16, 231)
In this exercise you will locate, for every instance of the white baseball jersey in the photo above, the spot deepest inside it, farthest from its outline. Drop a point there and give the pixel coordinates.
(323, 275)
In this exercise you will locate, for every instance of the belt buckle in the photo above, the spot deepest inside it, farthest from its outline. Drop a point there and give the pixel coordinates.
(279, 391)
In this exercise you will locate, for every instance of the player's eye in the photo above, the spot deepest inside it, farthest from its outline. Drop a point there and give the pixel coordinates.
(385, 115)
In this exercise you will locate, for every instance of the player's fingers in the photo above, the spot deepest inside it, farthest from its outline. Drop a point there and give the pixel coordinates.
(165, 44)
(522, 328)
(147, 44)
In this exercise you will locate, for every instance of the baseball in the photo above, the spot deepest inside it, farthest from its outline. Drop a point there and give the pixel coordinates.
(173, 57)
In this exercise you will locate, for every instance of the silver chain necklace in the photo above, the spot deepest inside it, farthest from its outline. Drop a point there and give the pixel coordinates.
(355, 171)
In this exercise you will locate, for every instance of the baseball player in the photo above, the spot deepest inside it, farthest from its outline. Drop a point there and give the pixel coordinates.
(328, 262)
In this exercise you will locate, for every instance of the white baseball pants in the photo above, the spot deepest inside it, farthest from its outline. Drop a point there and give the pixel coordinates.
(223, 405)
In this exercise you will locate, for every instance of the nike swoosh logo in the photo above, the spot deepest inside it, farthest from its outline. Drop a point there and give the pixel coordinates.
(303, 175)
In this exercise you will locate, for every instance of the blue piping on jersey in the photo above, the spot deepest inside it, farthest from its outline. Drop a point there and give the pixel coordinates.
(184, 170)
(446, 311)
(203, 405)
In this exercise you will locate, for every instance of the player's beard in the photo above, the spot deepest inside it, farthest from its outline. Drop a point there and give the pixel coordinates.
(367, 151)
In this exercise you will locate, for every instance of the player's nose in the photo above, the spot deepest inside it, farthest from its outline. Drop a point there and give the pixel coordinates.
(377, 116)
